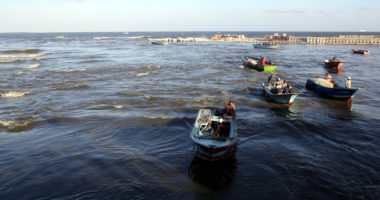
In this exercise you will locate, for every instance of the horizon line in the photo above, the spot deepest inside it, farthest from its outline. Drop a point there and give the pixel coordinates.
(359, 31)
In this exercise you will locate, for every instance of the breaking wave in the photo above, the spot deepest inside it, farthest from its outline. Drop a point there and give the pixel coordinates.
(17, 125)
(13, 94)
(142, 74)
(30, 66)
(21, 55)
(20, 60)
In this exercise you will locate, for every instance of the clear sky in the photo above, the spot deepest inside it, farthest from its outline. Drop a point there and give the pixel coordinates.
(188, 15)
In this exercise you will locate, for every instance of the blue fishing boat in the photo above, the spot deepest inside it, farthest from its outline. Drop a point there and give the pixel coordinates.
(213, 143)
(265, 45)
(326, 88)
(284, 98)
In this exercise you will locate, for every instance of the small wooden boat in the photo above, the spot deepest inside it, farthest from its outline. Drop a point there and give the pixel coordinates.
(332, 63)
(360, 51)
(265, 45)
(160, 43)
(285, 98)
(326, 88)
(255, 63)
(210, 143)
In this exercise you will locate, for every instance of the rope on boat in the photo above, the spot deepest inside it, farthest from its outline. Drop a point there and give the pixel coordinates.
(206, 122)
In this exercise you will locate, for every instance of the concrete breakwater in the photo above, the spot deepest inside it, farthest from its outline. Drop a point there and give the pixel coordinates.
(284, 39)
(337, 40)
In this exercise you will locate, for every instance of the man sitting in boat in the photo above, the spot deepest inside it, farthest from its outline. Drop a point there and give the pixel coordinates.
(288, 88)
(348, 82)
(335, 59)
(278, 86)
(329, 78)
(263, 61)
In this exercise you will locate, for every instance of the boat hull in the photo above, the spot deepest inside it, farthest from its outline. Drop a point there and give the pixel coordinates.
(359, 51)
(285, 98)
(257, 66)
(336, 92)
(333, 64)
(213, 153)
(265, 46)
(159, 43)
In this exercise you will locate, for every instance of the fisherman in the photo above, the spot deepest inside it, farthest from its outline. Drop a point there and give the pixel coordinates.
(278, 85)
(348, 82)
(229, 111)
(285, 87)
(329, 78)
(218, 129)
(263, 61)
(334, 58)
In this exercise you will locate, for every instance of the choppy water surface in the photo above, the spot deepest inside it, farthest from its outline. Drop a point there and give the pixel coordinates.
(101, 115)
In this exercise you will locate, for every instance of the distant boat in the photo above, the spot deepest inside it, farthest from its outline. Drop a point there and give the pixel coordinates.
(332, 63)
(125, 33)
(255, 63)
(160, 42)
(60, 37)
(265, 45)
(284, 98)
(360, 51)
(329, 89)
(210, 146)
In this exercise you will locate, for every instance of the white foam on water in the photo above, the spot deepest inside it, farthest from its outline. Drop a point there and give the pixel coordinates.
(13, 125)
(21, 59)
(30, 66)
(118, 106)
(142, 74)
(7, 123)
(13, 94)
(23, 55)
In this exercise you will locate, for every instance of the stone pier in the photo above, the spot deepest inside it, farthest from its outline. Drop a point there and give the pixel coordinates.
(284, 39)
(338, 40)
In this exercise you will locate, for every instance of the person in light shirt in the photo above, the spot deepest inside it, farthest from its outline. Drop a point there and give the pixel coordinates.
(348, 82)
